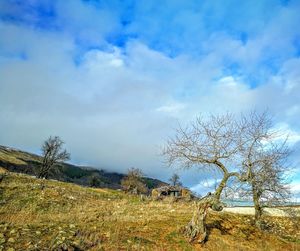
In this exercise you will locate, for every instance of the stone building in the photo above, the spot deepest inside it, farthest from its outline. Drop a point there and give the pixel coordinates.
(171, 191)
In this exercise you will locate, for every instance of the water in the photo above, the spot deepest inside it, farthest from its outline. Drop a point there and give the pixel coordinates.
(238, 203)
(248, 203)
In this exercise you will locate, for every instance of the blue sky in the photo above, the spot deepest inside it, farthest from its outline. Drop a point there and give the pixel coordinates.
(112, 78)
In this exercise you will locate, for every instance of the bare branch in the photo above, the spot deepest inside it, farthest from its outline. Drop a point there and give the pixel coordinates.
(52, 154)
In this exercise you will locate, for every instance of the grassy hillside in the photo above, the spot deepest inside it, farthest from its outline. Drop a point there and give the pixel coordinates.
(45, 215)
(19, 161)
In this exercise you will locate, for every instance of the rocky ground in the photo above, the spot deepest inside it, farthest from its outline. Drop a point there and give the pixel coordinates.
(51, 215)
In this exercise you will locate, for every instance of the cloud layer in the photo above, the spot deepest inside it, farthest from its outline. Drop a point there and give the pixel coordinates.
(112, 78)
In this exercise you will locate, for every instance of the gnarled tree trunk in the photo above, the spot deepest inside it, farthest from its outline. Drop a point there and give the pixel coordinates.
(196, 228)
(258, 208)
(222, 185)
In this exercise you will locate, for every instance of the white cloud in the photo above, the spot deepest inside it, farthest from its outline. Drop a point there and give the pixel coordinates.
(173, 108)
(287, 133)
(295, 187)
(295, 190)
(205, 185)
(115, 107)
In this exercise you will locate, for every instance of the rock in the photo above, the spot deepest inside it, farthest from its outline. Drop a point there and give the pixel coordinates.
(73, 233)
(38, 232)
(11, 240)
(10, 249)
(28, 243)
(12, 231)
(58, 242)
(76, 243)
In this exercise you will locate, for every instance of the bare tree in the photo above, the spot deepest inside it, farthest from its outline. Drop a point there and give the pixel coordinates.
(246, 144)
(133, 182)
(210, 144)
(264, 155)
(53, 153)
(174, 180)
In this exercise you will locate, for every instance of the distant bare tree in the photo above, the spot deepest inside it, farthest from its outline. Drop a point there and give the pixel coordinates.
(174, 180)
(264, 155)
(53, 153)
(133, 182)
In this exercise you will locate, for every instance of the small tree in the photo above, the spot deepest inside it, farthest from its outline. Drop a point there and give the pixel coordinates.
(174, 180)
(53, 153)
(95, 181)
(133, 182)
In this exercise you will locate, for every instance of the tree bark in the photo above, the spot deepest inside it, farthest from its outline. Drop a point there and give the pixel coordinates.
(257, 207)
(221, 186)
(226, 176)
(196, 228)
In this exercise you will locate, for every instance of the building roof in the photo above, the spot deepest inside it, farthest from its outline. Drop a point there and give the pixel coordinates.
(169, 188)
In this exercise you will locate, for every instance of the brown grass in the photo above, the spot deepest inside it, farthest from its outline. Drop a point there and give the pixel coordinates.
(17, 157)
(64, 215)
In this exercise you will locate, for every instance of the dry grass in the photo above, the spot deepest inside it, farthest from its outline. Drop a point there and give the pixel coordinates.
(11, 159)
(17, 157)
(63, 215)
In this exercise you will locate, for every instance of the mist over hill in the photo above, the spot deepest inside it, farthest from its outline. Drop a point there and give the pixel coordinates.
(16, 160)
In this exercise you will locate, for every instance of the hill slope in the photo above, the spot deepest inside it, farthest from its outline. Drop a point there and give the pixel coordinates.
(19, 161)
(51, 215)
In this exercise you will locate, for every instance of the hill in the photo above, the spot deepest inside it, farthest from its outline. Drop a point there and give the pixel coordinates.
(16, 160)
(51, 215)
